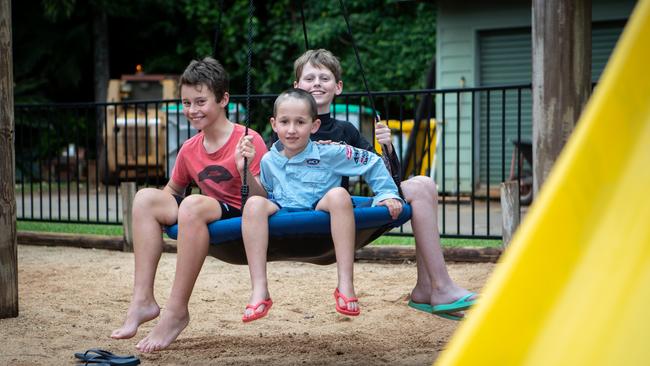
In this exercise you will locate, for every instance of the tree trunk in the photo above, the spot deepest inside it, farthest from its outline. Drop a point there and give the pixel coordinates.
(101, 79)
(8, 248)
(561, 77)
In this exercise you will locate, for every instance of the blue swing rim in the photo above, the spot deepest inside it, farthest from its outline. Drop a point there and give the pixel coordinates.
(300, 235)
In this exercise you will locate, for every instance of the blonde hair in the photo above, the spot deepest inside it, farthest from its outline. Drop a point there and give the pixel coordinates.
(319, 58)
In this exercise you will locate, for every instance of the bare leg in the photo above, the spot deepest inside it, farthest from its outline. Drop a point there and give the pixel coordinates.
(151, 209)
(255, 232)
(339, 204)
(433, 286)
(194, 214)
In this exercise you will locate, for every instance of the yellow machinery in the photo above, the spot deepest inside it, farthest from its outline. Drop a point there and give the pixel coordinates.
(419, 147)
(135, 134)
(574, 286)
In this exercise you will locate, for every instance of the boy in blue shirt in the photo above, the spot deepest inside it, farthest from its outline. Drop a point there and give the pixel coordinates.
(300, 174)
(319, 72)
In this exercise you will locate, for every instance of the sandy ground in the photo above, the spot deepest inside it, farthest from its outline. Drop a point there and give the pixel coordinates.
(71, 299)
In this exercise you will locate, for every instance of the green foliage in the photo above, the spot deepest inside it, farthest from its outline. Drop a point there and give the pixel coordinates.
(58, 9)
(48, 51)
(396, 40)
(53, 45)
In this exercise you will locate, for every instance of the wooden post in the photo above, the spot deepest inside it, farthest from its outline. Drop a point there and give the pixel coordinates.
(509, 209)
(127, 190)
(561, 33)
(8, 247)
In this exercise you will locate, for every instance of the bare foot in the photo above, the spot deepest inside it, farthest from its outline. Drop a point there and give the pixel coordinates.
(439, 296)
(450, 297)
(136, 315)
(165, 332)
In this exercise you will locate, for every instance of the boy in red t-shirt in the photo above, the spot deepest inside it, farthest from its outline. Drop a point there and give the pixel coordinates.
(214, 160)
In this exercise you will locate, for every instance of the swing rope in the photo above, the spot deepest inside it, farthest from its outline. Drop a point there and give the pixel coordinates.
(244, 186)
(356, 54)
(304, 25)
(394, 174)
(217, 33)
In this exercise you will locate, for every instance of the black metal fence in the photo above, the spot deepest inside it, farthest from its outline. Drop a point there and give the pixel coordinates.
(71, 158)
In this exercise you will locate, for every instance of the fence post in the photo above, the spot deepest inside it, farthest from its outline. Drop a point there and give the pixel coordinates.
(509, 209)
(127, 190)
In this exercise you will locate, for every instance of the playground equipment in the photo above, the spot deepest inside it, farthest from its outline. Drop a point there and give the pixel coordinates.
(135, 134)
(302, 236)
(418, 153)
(290, 232)
(574, 287)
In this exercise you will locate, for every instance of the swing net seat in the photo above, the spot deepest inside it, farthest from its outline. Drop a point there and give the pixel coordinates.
(301, 236)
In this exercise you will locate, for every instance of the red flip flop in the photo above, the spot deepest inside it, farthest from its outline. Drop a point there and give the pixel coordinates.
(344, 310)
(267, 306)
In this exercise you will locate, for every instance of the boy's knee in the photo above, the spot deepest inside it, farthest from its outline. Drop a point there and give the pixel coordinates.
(339, 196)
(419, 186)
(147, 200)
(194, 207)
(254, 205)
(338, 192)
(191, 202)
(146, 196)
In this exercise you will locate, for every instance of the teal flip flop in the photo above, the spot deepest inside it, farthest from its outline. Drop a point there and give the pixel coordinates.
(459, 305)
(421, 306)
(429, 309)
(449, 316)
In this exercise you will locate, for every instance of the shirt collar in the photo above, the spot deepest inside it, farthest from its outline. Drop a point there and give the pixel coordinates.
(310, 152)
(326, 121)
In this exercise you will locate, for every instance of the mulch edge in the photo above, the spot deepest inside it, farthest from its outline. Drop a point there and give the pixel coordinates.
(389, 254)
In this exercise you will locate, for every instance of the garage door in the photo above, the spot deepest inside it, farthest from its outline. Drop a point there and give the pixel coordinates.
(505, 58)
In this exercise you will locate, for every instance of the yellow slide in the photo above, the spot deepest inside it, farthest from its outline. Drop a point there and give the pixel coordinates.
(574, 287)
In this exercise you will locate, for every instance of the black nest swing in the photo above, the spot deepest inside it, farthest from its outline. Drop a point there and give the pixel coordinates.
(302, 236)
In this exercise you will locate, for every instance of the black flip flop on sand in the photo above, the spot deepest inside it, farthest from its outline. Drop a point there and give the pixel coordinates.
(99, 356)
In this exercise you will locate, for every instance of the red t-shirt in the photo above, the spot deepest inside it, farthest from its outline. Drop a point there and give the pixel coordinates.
(216, 173)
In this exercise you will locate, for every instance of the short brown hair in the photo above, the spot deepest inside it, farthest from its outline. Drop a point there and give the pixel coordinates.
(207, 71)
(319, 58)
(295, 93)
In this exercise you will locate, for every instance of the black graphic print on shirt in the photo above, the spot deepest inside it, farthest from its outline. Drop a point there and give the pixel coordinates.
(215, 173)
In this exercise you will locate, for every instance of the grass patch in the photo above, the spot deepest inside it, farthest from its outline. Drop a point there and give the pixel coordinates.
(458, 242)
(56, 227)
(445, 242)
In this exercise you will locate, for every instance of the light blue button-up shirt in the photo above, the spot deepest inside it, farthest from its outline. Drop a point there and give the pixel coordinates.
(300, 182)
